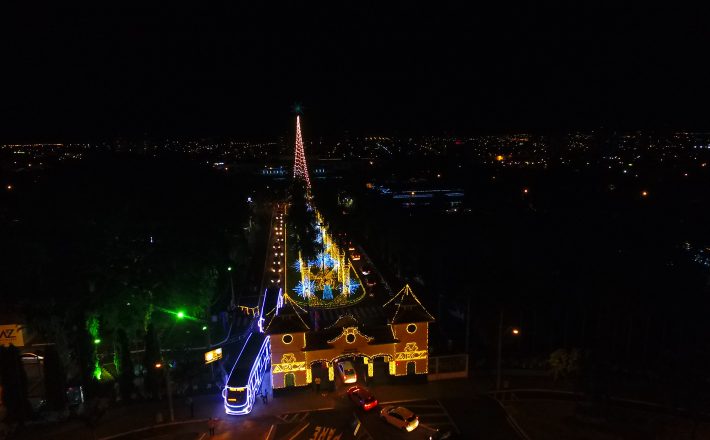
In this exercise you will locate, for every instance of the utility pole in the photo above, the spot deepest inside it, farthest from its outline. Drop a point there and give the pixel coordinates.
(514, 331)
(233, 303)
(169, 391)
(500, 351)
(468, 323)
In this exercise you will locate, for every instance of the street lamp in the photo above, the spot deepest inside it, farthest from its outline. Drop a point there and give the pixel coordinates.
(168, 388)
(233, 302)
(510, 330)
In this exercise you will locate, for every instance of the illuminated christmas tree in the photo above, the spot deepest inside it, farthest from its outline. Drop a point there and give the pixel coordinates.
(300, 169)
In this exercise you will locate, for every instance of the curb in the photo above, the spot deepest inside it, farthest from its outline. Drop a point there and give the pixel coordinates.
(512, 422)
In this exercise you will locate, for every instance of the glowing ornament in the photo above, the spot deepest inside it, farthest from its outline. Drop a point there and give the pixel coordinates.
(305, 289)
(327, 292)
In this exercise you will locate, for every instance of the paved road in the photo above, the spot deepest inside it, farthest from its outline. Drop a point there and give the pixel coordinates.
(432, 416)
(444, 405)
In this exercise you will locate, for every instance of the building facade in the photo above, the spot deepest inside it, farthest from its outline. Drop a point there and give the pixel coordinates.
(402, 341)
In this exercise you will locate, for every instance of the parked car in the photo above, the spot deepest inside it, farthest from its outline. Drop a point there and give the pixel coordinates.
(370, 281)
(400, 417)
(366, 270)
(362, 397)
(347, 371)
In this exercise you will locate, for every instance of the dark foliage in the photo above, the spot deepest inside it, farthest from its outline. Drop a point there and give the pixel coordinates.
(301, 221)
(54, 380)
(151, 357)
(14, 384)
(124, 365)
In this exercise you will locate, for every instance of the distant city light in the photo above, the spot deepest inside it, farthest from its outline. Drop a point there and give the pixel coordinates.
(644, 193)
(9, 187)
(516, 331)
(525, 190)
(499, 158)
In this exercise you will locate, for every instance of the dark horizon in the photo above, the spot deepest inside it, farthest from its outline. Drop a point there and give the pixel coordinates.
(105, 72)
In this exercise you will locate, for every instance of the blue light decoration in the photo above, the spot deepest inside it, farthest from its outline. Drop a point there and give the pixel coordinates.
(319, 237)
(239, 398)
(302, 289)
(260, 322)
(279, 302)
(296, 265)
(324, 259)
(353, 286)
(327, 292)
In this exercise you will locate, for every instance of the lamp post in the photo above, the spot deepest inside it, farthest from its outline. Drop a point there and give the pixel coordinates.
(233, 303)
(168, 387)
(512, 330)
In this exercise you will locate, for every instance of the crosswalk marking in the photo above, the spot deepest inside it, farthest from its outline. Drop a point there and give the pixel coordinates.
(294, 417)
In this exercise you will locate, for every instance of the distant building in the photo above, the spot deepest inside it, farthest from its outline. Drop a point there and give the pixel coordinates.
(446, 199)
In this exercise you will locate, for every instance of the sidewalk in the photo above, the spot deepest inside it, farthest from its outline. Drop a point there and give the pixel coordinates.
(125, 418)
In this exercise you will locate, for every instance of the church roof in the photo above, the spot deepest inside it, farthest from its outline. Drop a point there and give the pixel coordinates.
(405, 307)
(291, 318)
(346, 320)
(324, 338)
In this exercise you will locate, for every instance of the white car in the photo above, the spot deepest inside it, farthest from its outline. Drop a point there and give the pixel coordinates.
(400, 417)
(347, 372)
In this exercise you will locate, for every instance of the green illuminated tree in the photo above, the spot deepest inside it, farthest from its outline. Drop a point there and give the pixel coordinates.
(86, 360)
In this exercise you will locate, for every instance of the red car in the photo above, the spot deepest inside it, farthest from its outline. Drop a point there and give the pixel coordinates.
(362, 397)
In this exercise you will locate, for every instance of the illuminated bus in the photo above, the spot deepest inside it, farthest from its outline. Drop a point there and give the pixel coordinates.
(247, 373)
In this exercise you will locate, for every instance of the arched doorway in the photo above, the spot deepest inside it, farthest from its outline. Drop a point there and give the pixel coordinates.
(411, 368)
(319, 369)
(289, 380)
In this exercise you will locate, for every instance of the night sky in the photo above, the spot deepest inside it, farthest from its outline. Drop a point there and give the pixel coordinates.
(85, 73)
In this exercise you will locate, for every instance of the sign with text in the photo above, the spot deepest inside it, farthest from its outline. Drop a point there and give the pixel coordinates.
(11, 334)
(213, 355)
